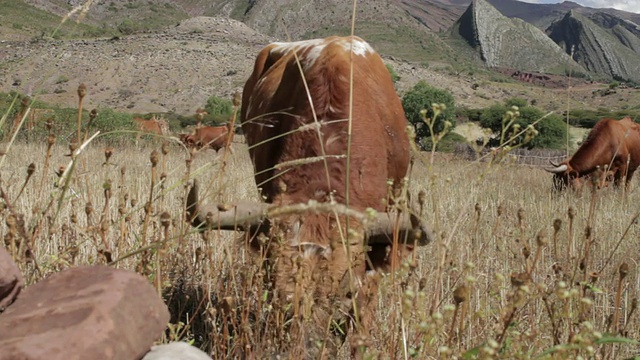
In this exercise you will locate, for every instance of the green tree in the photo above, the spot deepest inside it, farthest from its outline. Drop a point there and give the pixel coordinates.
(217, 106)
(421, 97)
(552, 130)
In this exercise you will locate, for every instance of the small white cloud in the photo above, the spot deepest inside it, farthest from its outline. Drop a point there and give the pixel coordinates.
(625, 5)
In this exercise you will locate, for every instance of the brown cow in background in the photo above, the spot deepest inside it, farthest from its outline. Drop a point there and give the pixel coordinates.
(214, 137)
(611, 144)
(151, 126)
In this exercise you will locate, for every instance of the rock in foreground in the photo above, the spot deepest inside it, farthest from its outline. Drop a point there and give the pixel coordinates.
(84, 313)
(11, 281)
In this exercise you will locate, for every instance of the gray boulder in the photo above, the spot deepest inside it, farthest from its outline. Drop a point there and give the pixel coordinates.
(176, 351)
(84, 313)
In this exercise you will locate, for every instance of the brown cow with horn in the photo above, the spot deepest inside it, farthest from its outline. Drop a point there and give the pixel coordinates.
(324, 246)
(214, 137)
(612, 145)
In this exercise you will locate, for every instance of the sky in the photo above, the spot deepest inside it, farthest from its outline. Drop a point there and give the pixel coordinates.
(626, 5)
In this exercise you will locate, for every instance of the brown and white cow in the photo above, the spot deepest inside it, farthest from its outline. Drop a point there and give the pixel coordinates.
(322, 250)
(214, 137)
(611, 144)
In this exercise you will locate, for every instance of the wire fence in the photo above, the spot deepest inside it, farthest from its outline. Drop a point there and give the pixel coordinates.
(535, 157)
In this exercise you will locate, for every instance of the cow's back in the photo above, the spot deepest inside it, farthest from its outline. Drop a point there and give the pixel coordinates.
(276, 101)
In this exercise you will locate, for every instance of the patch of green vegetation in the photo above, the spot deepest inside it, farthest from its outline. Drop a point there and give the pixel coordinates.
(17, 17)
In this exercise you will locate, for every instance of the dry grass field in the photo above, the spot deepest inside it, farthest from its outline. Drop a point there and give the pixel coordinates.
(516, 272)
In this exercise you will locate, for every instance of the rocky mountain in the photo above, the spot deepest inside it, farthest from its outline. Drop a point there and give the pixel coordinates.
(602, 43)
(173, 61)
(510, 42)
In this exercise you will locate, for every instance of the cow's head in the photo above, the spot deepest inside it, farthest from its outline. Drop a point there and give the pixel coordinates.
(564, 176)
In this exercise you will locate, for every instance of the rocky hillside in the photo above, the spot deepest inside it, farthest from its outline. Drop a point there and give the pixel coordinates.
(512, 43)
(603, 44)
(175, 70)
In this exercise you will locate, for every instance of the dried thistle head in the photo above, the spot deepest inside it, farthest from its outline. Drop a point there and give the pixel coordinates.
(623, 270)
(164, 149)
(541, 238)
(520, 215)
(108, 152)
(31, 169)
(93, 114)
(51, 140)
(571, 212)
(461, 294)
(520, 279)
(526, 252)
(165, 219)
(154, 158)
(557, 224)
(82, 91)
(88, 208)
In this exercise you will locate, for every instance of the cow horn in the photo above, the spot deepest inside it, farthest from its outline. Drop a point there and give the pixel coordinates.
(557, 169)
(554, 164)
(243, 216)
(240, 216)
(409, 226)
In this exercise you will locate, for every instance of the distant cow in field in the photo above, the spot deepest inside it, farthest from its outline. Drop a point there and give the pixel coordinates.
(295, 119)
(611, 144)
(151, 126)
(214, 137)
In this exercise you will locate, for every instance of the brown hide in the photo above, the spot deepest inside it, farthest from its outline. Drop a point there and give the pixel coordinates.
(151, 126)
(215, 137)
(280, 129)
(610, 144)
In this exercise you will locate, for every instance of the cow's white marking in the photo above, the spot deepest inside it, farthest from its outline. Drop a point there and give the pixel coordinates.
(315, 48)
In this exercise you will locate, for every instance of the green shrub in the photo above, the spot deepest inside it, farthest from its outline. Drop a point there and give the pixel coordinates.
(446, 144)
(421, 97)
(552, 130)
(217, 107)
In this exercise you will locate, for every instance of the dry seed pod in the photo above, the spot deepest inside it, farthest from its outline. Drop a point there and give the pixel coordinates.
(82, 90)
(478, 209)
(31, 169)
(541, 238)
(557, 224)
(51, 140)
(594, 276)
(165, 219)
(500, 209)
(461, 294)
(520, 279)
(623, 270)
(422, 196)
(422, 283)
(520, 214)
(237, 98)
(154, 158)
(108, 152)
(526, 252)
(571, 212)
(164, 148)
(88, 209)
